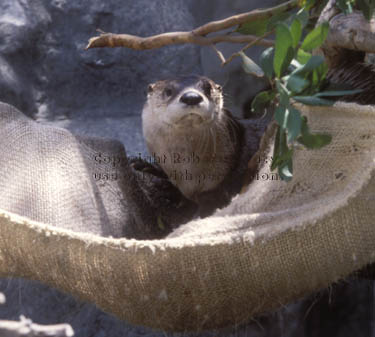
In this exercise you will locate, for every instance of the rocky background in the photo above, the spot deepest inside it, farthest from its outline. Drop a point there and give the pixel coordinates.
(47, 74)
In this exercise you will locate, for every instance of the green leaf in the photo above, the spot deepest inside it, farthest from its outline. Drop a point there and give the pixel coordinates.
(283, 92)
(286, 152)
(290, 119)
(296, 32)
(316, 37)
(266, 61)
(286, 170)
(314, 62)
(282, 154)
(313, 100)
(276, 149)
(249, 66)
(314, 72)
(319, 74)
(276, 19)
(296, 83)
(312, 141)
(280, 117)
(284, 51)
(338, 93)
(293, 124)
(303, 16)
(262, 100)
(256, 27)
(303, 56)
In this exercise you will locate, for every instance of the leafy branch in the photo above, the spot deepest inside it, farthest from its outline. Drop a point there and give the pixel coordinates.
(295, 75)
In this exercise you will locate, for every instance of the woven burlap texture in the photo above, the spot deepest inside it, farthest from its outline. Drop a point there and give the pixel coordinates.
(274, 243)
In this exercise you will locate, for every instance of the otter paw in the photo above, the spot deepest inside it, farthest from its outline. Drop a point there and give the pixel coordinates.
(146, 167)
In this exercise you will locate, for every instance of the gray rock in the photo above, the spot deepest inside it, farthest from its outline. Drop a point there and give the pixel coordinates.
(43, 42)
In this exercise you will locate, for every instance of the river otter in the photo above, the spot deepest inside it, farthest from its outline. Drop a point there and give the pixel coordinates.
(184, 123)
(202, 151)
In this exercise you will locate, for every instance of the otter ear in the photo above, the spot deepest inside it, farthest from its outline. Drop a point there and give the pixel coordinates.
(150, 88)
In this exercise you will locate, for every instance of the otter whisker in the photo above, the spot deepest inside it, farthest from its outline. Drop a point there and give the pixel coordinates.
(213, 134)
(232, 130)
(206, 143)
(204, 140)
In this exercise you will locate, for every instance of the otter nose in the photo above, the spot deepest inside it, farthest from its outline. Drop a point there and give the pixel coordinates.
(191, 98)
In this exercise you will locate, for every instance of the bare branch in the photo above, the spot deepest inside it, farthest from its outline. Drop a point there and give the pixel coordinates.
(256, 41)
(196, 36)
(162, 40)
(257, 14)
(329, 11)
(219, 54)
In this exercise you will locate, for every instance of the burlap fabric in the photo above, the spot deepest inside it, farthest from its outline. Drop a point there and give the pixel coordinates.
(274, 243)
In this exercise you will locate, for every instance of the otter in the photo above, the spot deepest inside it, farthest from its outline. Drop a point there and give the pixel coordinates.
(202, 149)
(185, 123)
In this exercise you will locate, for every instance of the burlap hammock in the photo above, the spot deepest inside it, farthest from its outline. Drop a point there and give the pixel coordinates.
(274, 243)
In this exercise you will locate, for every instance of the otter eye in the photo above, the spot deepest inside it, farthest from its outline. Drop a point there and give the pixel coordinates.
(219, 87)
(206, 88)
(168, 92)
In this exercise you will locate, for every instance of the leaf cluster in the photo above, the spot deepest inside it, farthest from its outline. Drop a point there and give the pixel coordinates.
(295, 75)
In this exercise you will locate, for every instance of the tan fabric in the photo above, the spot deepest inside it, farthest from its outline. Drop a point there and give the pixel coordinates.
(274, 243)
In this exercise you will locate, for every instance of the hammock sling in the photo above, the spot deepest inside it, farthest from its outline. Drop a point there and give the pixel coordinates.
(274, 243)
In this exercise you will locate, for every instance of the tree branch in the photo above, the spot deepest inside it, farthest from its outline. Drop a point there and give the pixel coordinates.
(219, 54)
(196, 36)
(257, 14)
(328, 12)
(162, 40)
(256, 41)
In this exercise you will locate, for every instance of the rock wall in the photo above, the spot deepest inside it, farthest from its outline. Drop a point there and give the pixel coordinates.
(46, 72)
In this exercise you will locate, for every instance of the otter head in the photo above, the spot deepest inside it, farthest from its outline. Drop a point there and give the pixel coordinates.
(190, 101)
(186, 127)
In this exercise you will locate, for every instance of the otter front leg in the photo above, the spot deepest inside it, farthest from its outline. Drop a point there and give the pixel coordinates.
(142, 213)
(157, 205)
(148, 168)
